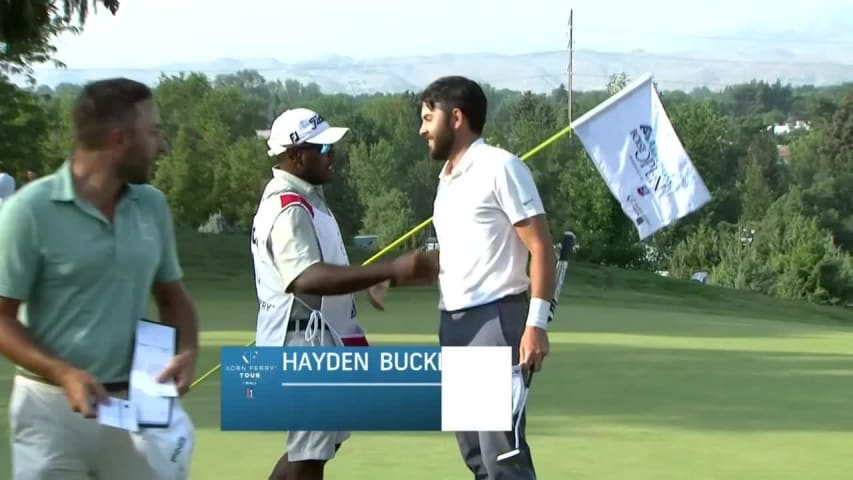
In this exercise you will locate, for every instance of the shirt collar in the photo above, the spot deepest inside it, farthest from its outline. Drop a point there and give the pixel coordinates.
(300, 185)
(464, 163)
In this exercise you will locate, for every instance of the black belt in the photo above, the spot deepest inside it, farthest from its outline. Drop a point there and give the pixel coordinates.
(300, 325)
(513, 297)
(113, 387)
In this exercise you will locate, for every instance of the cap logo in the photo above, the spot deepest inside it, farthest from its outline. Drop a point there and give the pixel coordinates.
(313, 122)
(305, 126)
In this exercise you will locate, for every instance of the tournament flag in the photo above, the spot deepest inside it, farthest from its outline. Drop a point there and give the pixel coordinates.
(635, 148)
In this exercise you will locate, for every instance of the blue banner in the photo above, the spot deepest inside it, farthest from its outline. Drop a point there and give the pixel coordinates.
(331, 388)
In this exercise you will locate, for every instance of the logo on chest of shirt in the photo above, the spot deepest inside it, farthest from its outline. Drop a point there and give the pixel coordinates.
(146, 231)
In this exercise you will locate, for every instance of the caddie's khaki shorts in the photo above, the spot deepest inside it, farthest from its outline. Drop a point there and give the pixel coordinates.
(302, 445)
(52, 442)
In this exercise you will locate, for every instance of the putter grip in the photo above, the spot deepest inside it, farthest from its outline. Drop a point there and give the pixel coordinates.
(566, 246)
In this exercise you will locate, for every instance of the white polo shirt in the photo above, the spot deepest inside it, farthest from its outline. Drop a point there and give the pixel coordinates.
(482, 258)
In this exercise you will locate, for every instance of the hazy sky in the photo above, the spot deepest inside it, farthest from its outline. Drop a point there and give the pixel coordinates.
(156, 32)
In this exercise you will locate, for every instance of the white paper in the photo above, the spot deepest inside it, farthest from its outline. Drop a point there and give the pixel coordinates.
(153, 350)
(118, 413)
(145, 380)
(151, 410)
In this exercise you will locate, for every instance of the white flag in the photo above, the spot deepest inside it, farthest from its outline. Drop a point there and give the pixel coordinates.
(633, 145)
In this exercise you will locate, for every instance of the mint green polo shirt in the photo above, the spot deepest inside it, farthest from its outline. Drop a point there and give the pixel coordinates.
(85, 280)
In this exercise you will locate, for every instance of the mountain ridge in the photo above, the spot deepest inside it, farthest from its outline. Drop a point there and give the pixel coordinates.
(712, 67)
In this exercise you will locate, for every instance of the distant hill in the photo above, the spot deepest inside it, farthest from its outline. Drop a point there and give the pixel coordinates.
(540, 72)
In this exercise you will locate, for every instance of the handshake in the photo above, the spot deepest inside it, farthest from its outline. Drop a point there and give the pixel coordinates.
(413, 268)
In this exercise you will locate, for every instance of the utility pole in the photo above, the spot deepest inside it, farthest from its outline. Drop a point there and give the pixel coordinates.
(570, 65)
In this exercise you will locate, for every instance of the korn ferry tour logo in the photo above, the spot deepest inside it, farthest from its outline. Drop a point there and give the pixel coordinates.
(249, 357)
(250, 369)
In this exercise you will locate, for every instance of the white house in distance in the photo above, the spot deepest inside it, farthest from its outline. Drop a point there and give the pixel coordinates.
(789, 127)
(784, 151)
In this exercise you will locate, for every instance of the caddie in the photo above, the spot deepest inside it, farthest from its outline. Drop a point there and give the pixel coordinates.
(303, 278)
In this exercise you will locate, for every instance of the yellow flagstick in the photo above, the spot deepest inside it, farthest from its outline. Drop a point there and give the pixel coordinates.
(412, 232)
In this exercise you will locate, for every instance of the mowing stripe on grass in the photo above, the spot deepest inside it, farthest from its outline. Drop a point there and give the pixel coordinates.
(829, 342)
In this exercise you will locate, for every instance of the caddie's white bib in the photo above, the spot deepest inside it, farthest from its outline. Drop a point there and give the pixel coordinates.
(337, 312)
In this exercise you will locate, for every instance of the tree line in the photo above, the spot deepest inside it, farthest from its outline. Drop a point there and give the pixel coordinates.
(780, 222)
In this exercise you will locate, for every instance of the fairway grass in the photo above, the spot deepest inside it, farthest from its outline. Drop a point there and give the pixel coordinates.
(648, 379)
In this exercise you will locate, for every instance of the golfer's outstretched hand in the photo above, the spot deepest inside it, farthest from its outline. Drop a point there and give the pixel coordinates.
(181, 369)
(415, 268)
(534, 347)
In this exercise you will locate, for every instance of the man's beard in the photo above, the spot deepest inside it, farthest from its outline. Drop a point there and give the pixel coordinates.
(442, 143)
(134, 167)
(318, 174)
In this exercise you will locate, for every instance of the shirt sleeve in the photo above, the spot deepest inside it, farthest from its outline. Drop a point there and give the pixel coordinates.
(170, 266)
(19, 252)
(293, 244)
(516, 191)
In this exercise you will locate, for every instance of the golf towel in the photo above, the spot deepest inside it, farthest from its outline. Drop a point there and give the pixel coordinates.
(169, 450)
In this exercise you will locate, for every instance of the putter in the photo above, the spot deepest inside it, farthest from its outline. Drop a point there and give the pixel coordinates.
(566, 246)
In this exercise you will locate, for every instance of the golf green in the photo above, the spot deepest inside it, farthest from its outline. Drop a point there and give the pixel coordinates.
(648, 378)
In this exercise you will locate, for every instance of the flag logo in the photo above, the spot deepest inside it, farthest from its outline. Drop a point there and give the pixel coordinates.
(645, 161)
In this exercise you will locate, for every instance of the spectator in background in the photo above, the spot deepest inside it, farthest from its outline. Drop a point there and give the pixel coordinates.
(7, 184)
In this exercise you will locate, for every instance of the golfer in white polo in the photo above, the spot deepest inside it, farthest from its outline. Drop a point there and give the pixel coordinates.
(489, 220)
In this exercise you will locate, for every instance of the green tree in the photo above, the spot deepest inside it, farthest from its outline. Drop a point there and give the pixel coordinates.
(27, 28)
(786, 255)
(24, 125)
(388, 216)
(763, 177)
(822, 164)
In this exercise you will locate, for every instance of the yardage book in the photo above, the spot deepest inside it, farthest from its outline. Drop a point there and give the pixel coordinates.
(154, 346)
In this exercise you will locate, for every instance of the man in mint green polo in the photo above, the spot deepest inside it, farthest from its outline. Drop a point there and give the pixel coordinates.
(81, 251)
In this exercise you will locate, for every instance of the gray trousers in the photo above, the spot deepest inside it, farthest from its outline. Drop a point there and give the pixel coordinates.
(500, 323)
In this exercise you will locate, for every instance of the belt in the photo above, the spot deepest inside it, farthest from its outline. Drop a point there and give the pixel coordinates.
(113, 387)
(300, 325)
(512, 297)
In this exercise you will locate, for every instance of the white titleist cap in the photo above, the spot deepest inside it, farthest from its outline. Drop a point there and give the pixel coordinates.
(298, 126)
